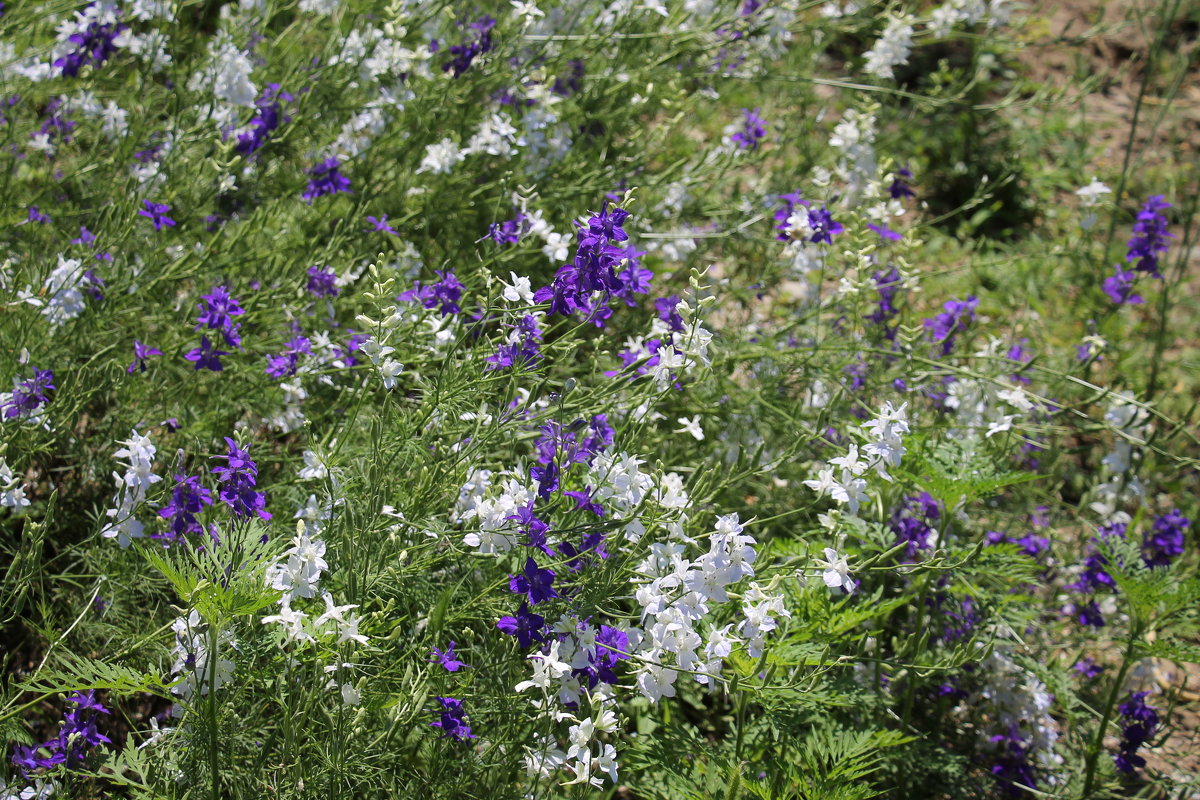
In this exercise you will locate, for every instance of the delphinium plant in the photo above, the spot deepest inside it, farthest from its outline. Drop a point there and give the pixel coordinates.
(573, 400)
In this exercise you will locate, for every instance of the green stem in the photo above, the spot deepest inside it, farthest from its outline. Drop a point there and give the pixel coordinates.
(213, 745)
(1093, 755)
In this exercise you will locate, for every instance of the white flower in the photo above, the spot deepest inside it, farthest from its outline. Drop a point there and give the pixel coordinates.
(441, 157)
(836, 572)
(314, 468)
(891, 50)
(691, 426)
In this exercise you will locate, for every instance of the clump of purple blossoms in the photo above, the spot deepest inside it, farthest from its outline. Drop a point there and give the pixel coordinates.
(56, 125)
(188, 499)
(325, 178)
(28, 395)
(1150, 236)
(442, 295)
(238, 478)
(591, 280)
(899, 187)
(888, 283)
(478, 43)
(268, 116)
(913, 522)
(283, 365)
(1095, 578)
(1139, 722)
(955, 319)
(1119, 287)
(753, 130)
(1164, 542)
(157, 214)
(321, 282)
(78, 733)
(95, 43)
(35, 215)
(217, 310)
(1012, 769)
(523, 347)
(453, 720)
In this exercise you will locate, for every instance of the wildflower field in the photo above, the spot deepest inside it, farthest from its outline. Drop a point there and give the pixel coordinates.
(633, 399)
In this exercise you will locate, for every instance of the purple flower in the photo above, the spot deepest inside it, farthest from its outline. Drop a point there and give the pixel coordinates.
(453, 720)
(510, 231)
(188, 499)
(591, 280)
(1165, 542)
(1150, 236)
(1139, 722)
(157, 214)
(536, 584)
(140, 353)
(381, 225)
(325, 178)
(94, 45)
(820, 221)
(206, 356)
(525, 625)
(442, 295)
(284, 364)
(268, 116)
(914, 522)
(957, 316)
(217, 310)
(753, 130)
(477, 44)
(448, 659)
(322, 282)
(1119, 287)
(29, 395)
(78, 733)
(522, 349)
(1088, 668)
(238, 478)
(37, 216)
(888, 283)
(900, 187)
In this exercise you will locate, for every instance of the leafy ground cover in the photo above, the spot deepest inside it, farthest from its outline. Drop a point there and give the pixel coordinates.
(634, 400)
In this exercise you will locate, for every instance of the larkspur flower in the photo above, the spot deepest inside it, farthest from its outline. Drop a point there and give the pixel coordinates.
(448, 659)
(453, 720)
(141, 352)
(1164, 543)
(1139, 722)
(443, 294)
(28, 395)
(1150, 236)
(157, 214)
(478, 42)
(238, 478)
(188, 499)
(321, 282)
(956, 317)
(753, 130)
(325, 178)
(206, 356)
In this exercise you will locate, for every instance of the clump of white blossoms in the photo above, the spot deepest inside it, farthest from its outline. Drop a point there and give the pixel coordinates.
(12, 493)
(139, 476)
(841, 477)
(63, 288)
(891, 50)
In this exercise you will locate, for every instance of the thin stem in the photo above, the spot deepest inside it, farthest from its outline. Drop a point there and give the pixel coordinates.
(1093, 755)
